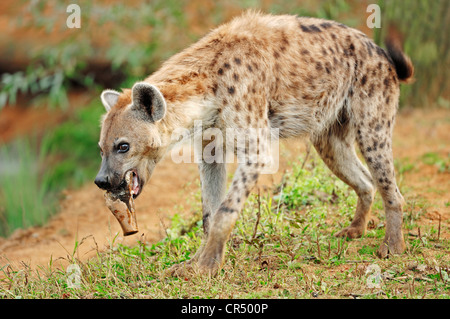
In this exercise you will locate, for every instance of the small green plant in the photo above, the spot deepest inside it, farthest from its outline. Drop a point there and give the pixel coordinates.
(25, 199)
(432, 158)
(403, 166)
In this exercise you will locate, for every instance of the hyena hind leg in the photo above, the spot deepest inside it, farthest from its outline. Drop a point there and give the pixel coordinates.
(376, 147)
(336, 148)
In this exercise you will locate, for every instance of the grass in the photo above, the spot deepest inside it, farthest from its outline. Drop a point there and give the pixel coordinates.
(35, 171)
(283, 244)
(431, 158)
(281, 247)
(24, 193)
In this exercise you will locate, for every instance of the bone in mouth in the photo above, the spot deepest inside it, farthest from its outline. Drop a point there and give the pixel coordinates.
(121, 205)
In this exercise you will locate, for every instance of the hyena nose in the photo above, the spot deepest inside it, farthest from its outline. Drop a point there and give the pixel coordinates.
(102, 181)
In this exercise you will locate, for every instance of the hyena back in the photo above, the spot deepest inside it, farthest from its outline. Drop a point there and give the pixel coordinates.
(307, 77)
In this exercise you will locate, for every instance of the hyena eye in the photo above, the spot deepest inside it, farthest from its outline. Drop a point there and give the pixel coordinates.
(123, 148)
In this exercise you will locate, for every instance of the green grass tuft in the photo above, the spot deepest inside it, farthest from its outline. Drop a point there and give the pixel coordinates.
(25, 199)
(277, 250)
(33, 172)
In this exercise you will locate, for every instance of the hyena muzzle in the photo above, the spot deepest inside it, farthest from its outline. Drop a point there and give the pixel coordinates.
(306, 77)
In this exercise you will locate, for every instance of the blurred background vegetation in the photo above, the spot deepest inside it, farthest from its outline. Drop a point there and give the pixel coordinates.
(45, 65)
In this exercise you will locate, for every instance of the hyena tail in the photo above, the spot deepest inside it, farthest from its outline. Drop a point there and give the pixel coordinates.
(402, 63)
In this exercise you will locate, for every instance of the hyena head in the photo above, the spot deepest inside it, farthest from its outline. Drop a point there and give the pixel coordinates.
(132, 137)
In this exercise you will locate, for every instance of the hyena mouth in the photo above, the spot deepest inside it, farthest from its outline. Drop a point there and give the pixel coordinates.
(135, 183)
(130, 185)
(121, 203)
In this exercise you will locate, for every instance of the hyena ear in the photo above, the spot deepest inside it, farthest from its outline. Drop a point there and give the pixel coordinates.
(109, 99)
(149, 101)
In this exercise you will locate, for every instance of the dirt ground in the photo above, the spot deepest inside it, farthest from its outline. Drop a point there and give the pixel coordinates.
(85, 222)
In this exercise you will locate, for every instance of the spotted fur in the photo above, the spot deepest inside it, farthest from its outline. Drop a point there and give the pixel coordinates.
(309, 78)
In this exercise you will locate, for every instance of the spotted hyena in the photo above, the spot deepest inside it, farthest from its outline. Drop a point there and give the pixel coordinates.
(307, 77)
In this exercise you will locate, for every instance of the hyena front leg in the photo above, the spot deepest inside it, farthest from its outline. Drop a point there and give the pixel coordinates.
(222, 222)
(213, 177)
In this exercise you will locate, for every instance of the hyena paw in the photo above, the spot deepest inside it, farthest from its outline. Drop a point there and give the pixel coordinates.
(351, 232)
(209, 264)
(181, 270)
(393, 247)
(189, 267)
(204, 266)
